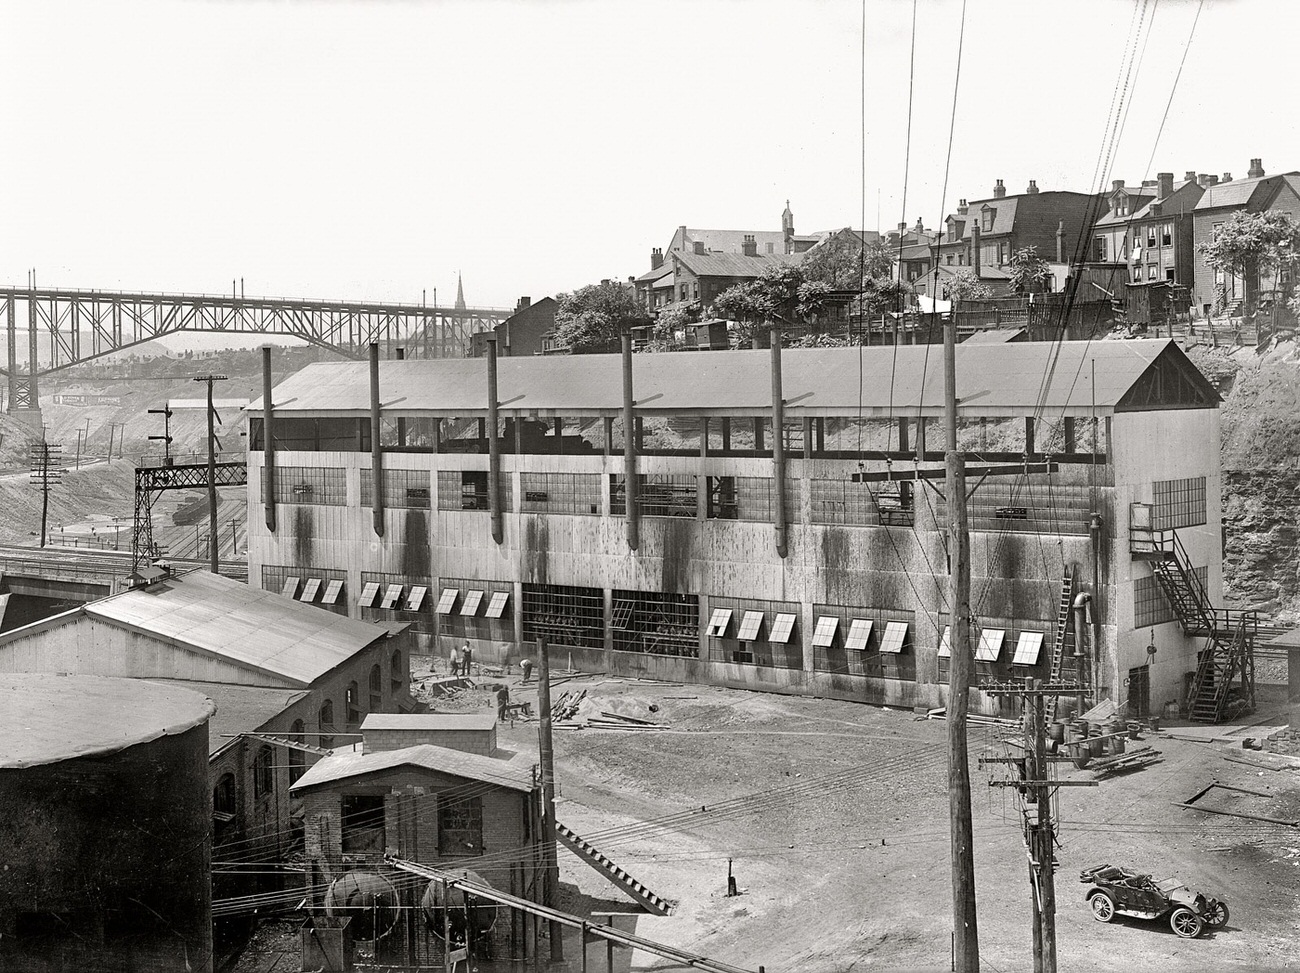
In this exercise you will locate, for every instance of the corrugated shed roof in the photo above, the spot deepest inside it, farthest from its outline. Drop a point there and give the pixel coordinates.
(261, 630)
(240, 709)
(816, 381)
(46, 718)
(733, 264)
(429, 721)
(516, 773)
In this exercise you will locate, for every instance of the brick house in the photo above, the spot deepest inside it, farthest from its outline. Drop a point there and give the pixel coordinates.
(1159, 244)
(702, 277)
(522, 333)
(432, 788)
(1257, 193)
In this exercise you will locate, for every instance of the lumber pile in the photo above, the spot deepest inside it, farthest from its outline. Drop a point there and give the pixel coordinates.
(1129, 760)
(565, 706)
(617, 721)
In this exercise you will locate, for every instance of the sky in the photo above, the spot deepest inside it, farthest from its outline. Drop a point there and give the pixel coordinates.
(375, 150)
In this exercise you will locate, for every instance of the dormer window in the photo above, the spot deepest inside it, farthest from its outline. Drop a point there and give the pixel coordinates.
(1120, 204)
(987, 215)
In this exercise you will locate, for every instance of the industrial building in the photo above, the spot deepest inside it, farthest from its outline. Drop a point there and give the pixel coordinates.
(104, 825)
(494, 505)
(289, 682)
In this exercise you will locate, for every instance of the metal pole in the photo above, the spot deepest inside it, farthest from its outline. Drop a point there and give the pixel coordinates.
(778, 443)
(552, 884)
(376, 452)
(965, 928)
(494, 443)
(268, 441)
(213, 540)
(629, 448)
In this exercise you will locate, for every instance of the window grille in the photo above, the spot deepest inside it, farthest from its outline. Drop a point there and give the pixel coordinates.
(460, 827)
(668, 495)
(718, 622)
(844, 501)
(895, 638)
(263, 772)
(751, 643)
(473, 598)
(402, 488)
(332, 592)
(416, 598)
(859, 634)
(749, 626)
(990, 646)
(1027, 505)
(462, 612)
(560, 493)
(824, 634)
(276, 578)
(656, 623)
(447, 600)
(1178, 503)
(1028, 649)
(782, 626)
(1150, 606)
(392, 594)
(290, 588)
(309, 485)
(497, 606)
(310, 590)
(468, 490)
(564, 615)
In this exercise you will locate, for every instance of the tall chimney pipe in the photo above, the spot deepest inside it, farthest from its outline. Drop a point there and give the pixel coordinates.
(629, 449)
(268, 441)
(975, 246)
(494, 442)
(778, 443)
(376, 450)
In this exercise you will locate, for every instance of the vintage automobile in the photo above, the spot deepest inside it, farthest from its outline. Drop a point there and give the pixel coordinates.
(1122, 891)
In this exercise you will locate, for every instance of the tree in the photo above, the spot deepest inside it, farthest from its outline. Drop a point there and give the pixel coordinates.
(1251, 246)
(671, 323)
(1028, 271)
(965, 286)
(843, 260)
(592, 318)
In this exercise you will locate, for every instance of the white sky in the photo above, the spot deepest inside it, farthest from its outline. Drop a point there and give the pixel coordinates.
(373, 149)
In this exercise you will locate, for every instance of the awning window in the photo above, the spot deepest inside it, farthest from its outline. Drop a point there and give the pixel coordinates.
(990, 646)
(447, 600)
(497, 606)
(749, 626)
(368, 592)
(782, 626)
(859, 634)
(895, 637)
(473, 598)
(824, 633)
(310, 589)
(290, 587)
(718, 622)
(392, 595)
(332, 592)
(1027, 649)
(945, 643)
(416, 598)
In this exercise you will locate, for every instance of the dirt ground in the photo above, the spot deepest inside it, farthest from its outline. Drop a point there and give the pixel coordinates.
(835, 817)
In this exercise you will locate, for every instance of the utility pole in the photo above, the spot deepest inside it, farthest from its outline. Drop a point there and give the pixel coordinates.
(166, 437)
(214, 540)
(547, 754)
(966, 956)
(46, 465)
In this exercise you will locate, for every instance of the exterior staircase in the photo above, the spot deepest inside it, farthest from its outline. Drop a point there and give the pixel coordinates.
(597, 860)
(1229, 652)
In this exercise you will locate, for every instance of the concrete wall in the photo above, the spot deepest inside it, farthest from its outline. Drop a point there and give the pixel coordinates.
(110, 854)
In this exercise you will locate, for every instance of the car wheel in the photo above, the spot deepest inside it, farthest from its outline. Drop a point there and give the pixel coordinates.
(1218, 916)
(1103, 907)
(1185, 922)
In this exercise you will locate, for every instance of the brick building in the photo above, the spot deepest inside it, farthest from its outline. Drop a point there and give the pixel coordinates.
(523, 333)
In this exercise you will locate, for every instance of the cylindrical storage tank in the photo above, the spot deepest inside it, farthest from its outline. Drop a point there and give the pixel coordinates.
(105, 815)
(437, 899)
(368, 899)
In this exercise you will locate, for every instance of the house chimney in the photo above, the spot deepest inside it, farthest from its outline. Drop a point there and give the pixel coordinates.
(1256, 168)
(699, 246)
(975, 246)
(1190, 175)
(1166, 182)
(523, 303)
(749, 246)
(1203, 180)
(1060, 242)
(999, 190)
(1227, 177)
(1033, 187)
(1117, 185)
(920, 227)
(656, 258)
(681, 232)
(962, 207)
(902, 227)
(1156, 209)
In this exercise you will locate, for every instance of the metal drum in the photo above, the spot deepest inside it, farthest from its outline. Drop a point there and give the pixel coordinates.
(368, 899)
(438, 900)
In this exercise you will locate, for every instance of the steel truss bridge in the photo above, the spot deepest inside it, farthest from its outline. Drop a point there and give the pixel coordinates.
(73, 326)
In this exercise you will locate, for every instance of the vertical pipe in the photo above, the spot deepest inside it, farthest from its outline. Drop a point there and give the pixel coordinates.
(547, 755)
(213, 538)
(494, 442)
(268, 442)
(629, 448)
(376, 448)
(1094, 538)
(778, 444)
(1080, 659)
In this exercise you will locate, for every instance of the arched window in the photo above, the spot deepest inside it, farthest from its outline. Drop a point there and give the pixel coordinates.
(223, 795)
(326, 718)
(396, 672)
(263, 773)
(354, 707)
(376, 689)
(297, 759)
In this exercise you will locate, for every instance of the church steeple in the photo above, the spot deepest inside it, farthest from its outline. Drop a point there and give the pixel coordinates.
(460, 293)
(787, 228)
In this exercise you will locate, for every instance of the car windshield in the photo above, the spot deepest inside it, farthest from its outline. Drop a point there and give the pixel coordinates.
(1169, 885)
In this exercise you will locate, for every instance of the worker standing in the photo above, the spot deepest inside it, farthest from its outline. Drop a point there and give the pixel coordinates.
(455, 661)
(466, 655)
(503, 701)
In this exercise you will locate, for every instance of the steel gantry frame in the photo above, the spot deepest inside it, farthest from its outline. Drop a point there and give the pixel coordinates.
(151, 480)
(72, 326)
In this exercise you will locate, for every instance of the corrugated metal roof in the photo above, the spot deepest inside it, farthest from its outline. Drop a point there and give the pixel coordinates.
(240, 709)
(516, 773)
(429, 721)
(46, 718)
(997, 379)
(733, 264)
(261, 630)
